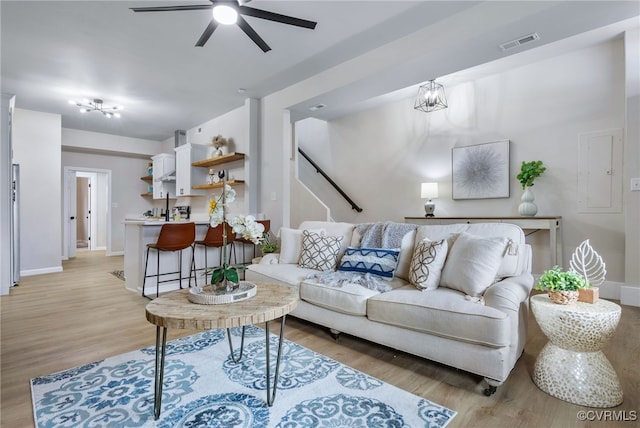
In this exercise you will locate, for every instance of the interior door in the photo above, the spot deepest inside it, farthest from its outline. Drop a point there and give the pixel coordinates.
(83, 214)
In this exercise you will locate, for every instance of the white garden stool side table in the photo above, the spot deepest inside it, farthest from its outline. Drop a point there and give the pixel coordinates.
(571, 366)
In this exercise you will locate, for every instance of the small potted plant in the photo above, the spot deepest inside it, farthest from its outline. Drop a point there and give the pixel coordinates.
(529, 171)
(562, 287)
(269, 245)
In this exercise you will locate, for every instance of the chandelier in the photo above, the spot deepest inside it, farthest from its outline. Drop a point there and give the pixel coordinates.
(96, 104)
(430, 97)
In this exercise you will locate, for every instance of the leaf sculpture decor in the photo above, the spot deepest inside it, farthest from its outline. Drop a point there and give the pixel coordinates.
(588, 263)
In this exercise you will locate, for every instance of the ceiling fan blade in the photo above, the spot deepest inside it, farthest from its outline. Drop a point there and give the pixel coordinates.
(242, 23)
(207, 33)
(172, 8)
(272, 16)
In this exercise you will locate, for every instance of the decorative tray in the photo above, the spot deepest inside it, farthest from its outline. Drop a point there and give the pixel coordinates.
(207, 296)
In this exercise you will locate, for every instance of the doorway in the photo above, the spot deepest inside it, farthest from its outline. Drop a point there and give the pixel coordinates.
(86, 210)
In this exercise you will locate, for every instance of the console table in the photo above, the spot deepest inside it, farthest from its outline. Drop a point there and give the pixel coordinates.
(552, 224)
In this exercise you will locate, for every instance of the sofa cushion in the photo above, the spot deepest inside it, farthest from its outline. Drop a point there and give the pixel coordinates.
(291, 244)
(376, 261)
(472, 263)
(442, 312)
(333, 229)
(319, 252)
(406, 253)
(288, 273)
(514, 262)
(348, 298)
(427, 263)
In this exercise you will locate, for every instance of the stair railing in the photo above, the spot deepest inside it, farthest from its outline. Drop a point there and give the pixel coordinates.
(333, 183)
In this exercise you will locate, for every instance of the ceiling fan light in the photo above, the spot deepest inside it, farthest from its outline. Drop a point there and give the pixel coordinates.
(83, 110)
(116, 114)
(225, 15)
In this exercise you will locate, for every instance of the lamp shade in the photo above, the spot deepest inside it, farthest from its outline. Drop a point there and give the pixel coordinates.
(429, 190)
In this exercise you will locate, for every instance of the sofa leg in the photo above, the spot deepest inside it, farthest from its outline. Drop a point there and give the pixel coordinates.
(493, 386)
(490, 391)
(334, 333)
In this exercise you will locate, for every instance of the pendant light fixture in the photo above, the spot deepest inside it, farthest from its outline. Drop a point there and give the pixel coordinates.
(431, 97)
(96, 104)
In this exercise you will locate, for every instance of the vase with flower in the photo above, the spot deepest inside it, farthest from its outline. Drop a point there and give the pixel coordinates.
(225, 276)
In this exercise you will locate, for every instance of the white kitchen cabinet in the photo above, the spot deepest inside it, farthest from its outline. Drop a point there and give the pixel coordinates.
(186, 175)
(164, 176)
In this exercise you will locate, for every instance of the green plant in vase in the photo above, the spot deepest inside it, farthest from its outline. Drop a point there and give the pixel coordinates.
(529, 171)
(562, 286)
(226, 276)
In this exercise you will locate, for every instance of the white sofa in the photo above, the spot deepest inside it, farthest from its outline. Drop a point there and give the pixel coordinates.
(484, 335)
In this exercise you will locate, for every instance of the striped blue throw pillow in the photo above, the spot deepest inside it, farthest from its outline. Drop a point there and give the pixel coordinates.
(376, 261)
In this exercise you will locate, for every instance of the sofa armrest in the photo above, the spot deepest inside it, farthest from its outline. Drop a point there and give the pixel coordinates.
(508, 294)
(270, 259)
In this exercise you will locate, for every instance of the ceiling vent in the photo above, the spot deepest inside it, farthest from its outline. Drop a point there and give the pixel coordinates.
(519, 41)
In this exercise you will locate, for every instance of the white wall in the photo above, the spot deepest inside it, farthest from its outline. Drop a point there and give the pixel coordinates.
(36, 147)
(380, 157)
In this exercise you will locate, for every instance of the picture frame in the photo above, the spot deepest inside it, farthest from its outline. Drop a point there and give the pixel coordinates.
(480, 171)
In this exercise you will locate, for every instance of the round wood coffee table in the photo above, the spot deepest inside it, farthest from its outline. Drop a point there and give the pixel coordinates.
(174, 310)
(571, 366)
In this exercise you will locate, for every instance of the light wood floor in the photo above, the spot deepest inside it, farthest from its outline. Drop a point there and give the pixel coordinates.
(58, 321)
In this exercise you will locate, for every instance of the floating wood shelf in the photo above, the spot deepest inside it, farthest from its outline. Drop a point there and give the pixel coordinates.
(148, 194)
(147, 178)
(219, 160)
(218, 185)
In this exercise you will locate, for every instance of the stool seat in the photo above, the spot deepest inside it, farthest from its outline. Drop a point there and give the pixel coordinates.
(172, 237)
(214, 239)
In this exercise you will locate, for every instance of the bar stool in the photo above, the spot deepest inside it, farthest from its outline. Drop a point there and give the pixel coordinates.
(267, 226)
(214, 239)
(172, 237)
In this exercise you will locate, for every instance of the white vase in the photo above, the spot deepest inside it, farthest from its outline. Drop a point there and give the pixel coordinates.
(527, 208)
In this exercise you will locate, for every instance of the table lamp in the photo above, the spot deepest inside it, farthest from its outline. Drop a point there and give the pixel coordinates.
(429, 191)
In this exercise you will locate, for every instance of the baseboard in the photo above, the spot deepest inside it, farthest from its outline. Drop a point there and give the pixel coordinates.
(32, 272)
(627, 294)
(115, 253)
(630, 295)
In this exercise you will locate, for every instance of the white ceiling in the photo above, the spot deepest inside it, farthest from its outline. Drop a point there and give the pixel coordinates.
(53, 51)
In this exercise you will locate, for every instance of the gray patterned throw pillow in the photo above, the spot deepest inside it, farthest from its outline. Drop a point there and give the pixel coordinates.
(426, 264)
(319, 252)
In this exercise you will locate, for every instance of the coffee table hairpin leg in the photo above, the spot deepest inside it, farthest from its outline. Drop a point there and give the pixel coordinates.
(161, 347)
(271, 396)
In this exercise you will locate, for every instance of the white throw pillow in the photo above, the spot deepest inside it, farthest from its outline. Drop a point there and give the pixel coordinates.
(291, 244)
(319, 252)
(427, 263)
(472, 263)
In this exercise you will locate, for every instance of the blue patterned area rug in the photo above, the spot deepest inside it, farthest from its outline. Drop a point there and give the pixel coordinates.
(204, 388)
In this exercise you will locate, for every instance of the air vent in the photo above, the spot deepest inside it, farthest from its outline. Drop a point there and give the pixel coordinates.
(519, 41)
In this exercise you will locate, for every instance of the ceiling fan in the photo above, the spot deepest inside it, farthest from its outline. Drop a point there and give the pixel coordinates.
(228, 12)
